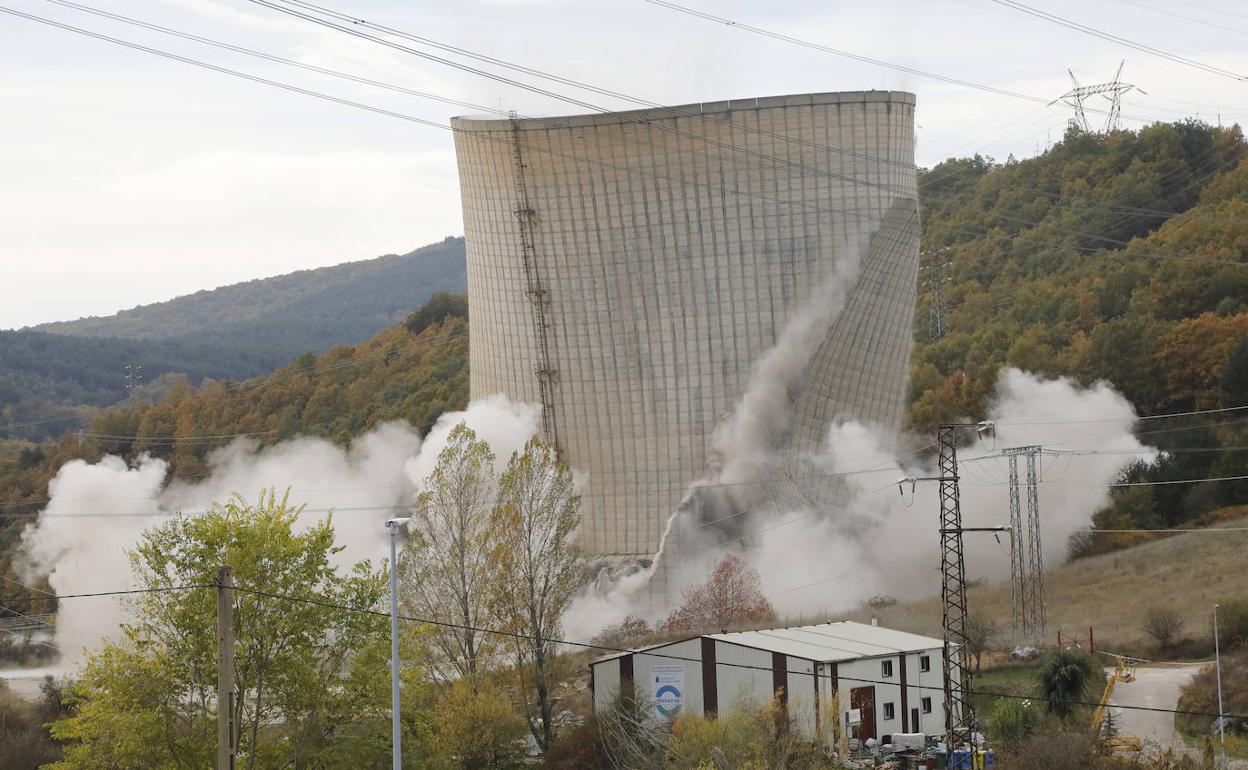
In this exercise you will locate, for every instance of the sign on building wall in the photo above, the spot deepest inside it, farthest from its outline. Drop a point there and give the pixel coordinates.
(668, 691)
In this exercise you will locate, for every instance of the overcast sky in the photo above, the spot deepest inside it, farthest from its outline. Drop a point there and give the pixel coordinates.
(129, 178)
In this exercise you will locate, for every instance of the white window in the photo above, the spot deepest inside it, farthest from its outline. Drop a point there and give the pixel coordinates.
(925, 663)
(926, 703)
(889, 711)
(886, 668)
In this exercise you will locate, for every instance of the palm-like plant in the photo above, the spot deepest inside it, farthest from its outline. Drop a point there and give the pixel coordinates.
(1064, 679)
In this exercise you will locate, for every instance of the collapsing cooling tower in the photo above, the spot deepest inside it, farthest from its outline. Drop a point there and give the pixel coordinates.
(625, 271)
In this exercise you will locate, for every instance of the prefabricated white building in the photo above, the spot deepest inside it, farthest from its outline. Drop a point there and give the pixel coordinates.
(891, 678)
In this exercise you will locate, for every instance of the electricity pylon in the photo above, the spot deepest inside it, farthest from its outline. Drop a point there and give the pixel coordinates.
(1111, 92)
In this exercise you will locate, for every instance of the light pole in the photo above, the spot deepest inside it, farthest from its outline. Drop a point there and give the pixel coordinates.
(394, 525)
(1217, 657)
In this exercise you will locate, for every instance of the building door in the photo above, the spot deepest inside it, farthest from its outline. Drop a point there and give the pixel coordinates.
(914, 721)
(863, 699)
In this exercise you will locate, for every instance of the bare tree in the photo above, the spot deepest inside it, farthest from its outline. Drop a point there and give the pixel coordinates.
(446, 567)
(980, 634)
(730, 596)
(538, 571)
(1162, 626)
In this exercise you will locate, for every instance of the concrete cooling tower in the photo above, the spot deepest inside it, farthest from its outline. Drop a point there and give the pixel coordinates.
(626, 271)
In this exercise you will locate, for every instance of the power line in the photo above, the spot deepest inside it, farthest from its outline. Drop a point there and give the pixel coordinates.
(572, 643)
(844, 54)
(270, 57)
(356, 21)
(625, 117)
(859, 57)
(879, 468)
(1064, 22)
(1123, 484)
(652, 653)
(1192, 413)
(1185, 17)
(369, 107)
(436, 97)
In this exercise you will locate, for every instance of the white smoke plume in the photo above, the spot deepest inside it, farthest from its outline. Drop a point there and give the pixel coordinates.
(883, 537)
(879, 537)
(98, 511)
(748, 438)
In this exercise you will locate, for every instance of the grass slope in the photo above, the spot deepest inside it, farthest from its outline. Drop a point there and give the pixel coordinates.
(1112, 592)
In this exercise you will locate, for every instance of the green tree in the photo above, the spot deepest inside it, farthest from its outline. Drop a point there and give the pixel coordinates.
(538, 570)
(1066, 676)
(310, 680)
(446, 567)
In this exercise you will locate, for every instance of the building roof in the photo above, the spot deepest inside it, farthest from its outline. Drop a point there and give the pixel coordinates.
(822, 643)
(833, 642)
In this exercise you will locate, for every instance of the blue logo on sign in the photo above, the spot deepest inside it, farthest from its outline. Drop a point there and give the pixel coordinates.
(667, 700)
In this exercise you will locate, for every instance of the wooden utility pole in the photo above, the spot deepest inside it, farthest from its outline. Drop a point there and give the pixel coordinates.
(225, 669)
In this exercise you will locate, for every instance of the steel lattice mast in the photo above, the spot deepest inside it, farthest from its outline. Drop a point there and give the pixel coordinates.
(1018, 551)
(959, 713)
(1035, 561)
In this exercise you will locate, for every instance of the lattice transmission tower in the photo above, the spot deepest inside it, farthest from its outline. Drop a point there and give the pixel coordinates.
(959, 713)
(1111, 92)
(1026, 556)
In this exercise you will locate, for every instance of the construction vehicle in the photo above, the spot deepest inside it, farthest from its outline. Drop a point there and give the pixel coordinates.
(1124, 671)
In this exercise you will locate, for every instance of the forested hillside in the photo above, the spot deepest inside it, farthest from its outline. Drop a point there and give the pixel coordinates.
(308, 310)
(53, 382)
(50, 382)
(1121, 258)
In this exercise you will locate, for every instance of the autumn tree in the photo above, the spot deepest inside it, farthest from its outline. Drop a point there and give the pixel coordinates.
(631, 629)
(732, 595)
(446, 568)
(1194, 355)
(477, 728)
(538, 571)
(312, 684)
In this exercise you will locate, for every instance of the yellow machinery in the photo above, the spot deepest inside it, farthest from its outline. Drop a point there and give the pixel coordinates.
(1124, 671)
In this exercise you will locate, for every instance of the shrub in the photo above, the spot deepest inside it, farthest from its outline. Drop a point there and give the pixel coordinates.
(1066, 676)
(1162, 626)
(1201, 694)
(748, 736)
(578, 749)
(1233, 624)
(478, 729)
(24, 738)
(1014, 720)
